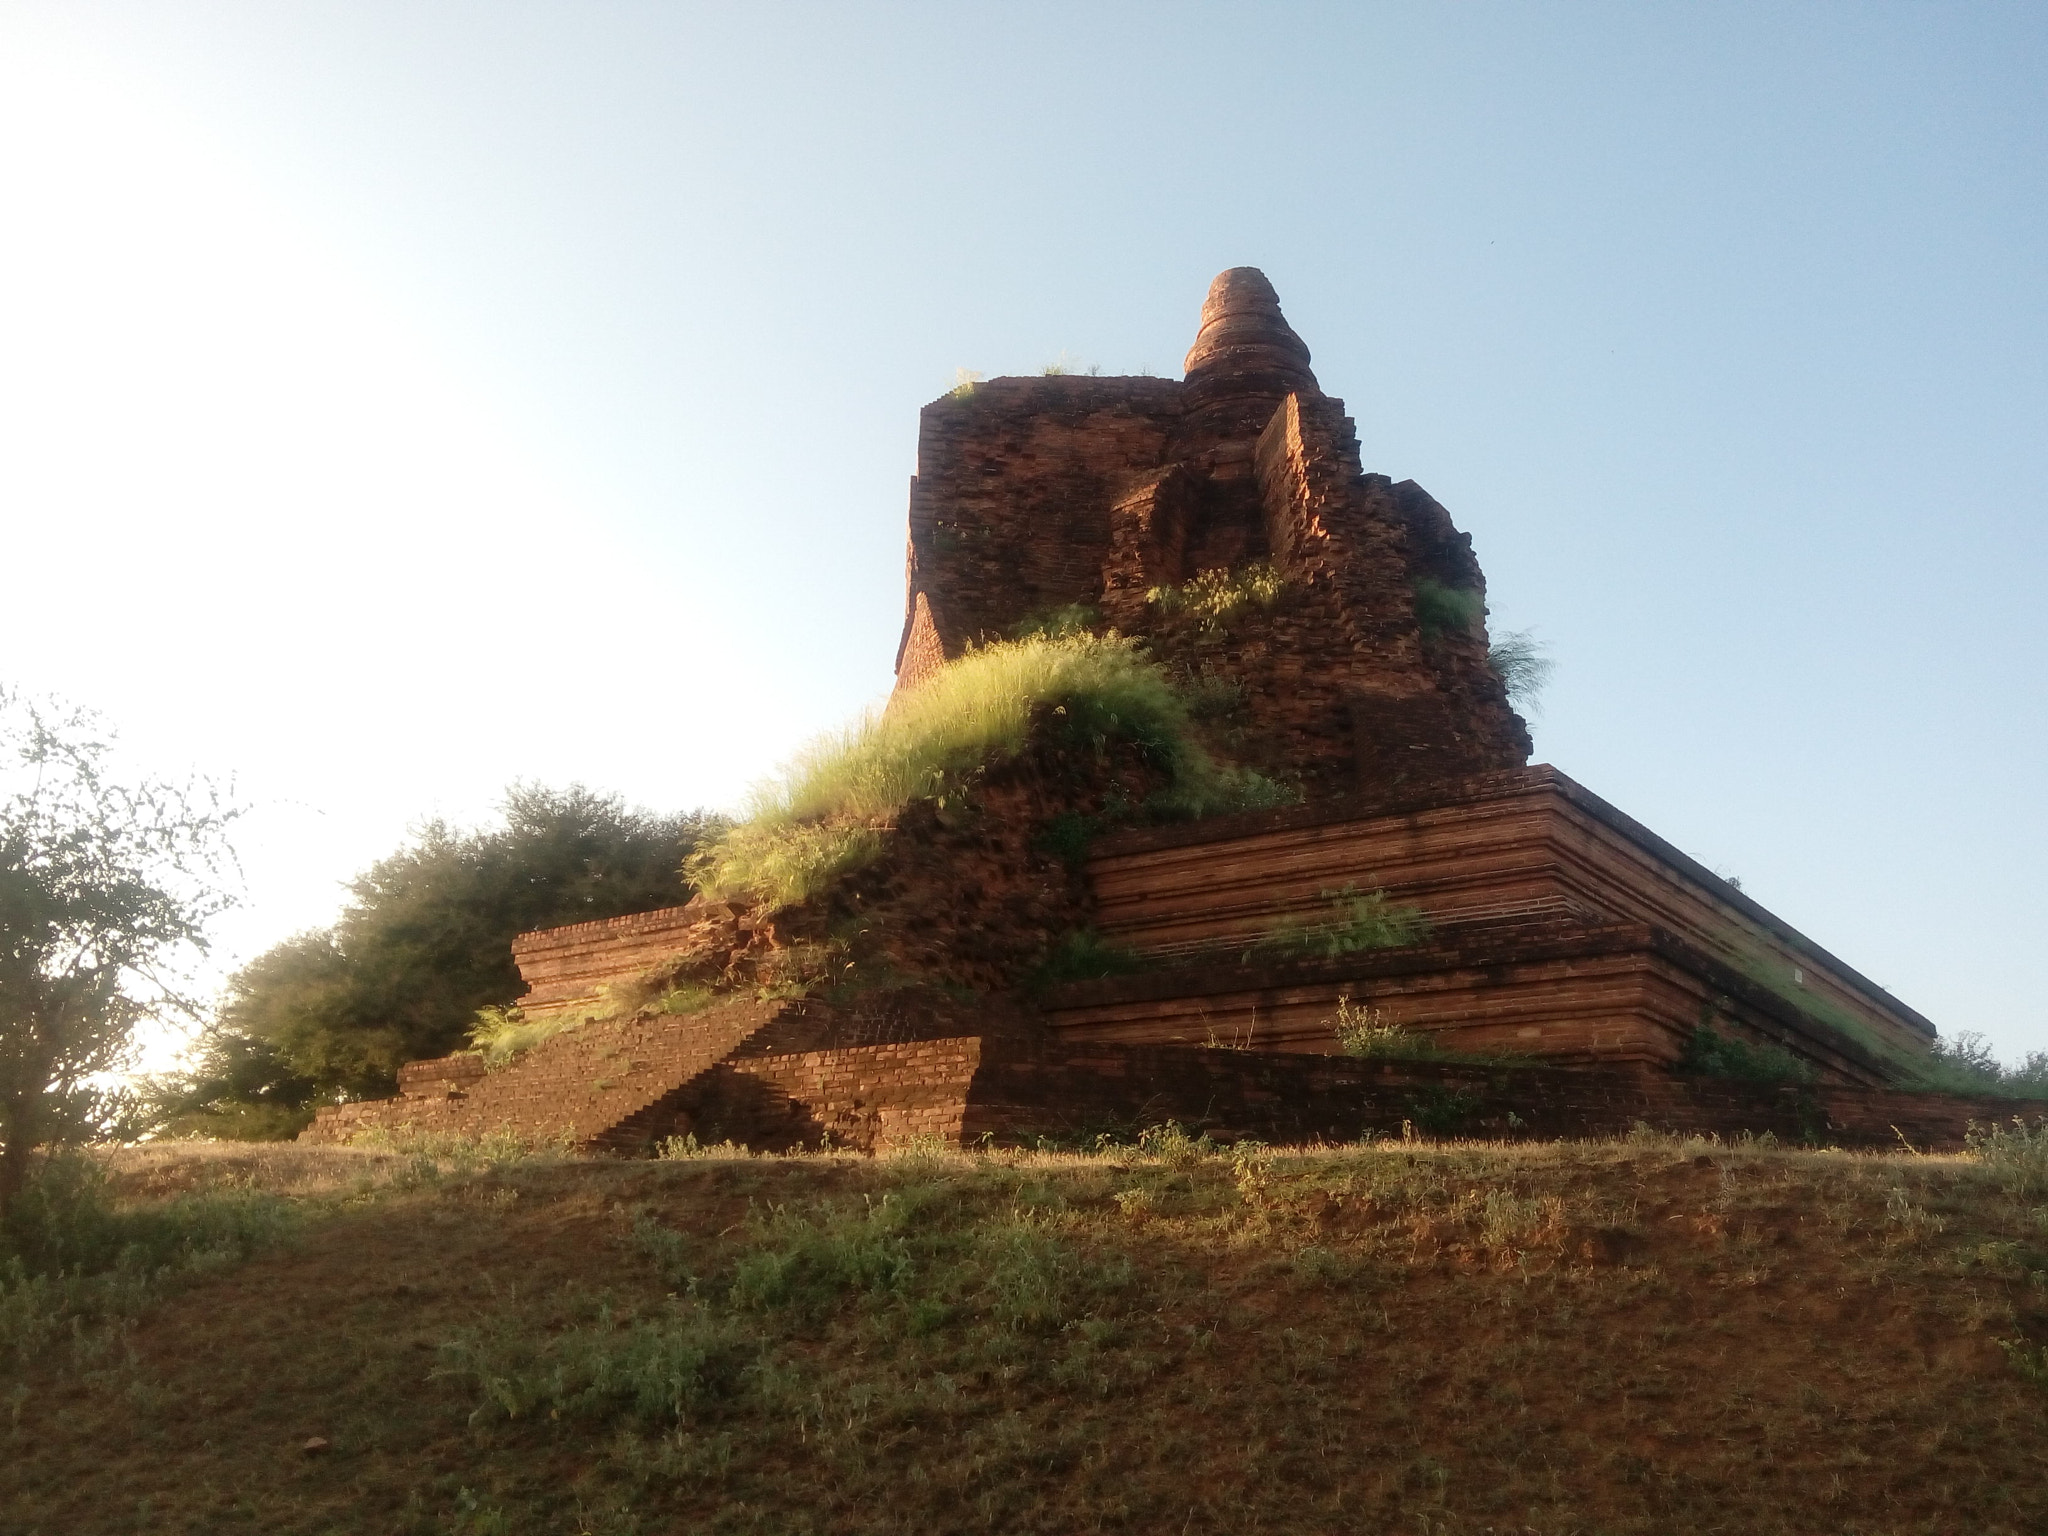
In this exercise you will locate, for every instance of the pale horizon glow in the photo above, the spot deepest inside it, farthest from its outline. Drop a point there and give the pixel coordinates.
(400, 401)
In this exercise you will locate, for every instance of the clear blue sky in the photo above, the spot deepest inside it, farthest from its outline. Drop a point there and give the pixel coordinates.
(399, 399)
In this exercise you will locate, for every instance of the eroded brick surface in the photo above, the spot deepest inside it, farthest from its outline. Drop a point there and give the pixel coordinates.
(1034, 494)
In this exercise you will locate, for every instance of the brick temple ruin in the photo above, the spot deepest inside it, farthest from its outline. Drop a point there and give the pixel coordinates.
(1560, 933)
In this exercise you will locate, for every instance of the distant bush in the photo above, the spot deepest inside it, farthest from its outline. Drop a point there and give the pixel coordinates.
(425, 941)
(1964, 1063)
(828, 811)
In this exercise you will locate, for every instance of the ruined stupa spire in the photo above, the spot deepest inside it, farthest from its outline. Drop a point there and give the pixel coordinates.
(1245, 352)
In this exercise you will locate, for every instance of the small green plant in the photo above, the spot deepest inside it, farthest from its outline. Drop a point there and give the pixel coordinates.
(1085, 955)
(1214, 598)
(1054, 623)
(1356, 922)
(2017, 1151)
(686, 1148)
(964, 380)
(1912, 1222)
(2029, 1359)
(1063, 366)
(1212, 695)
(1136, 1204)
(1362, 1031)
(1508, 1220)
(1067, 836)
(1711, 1053)
(1173, 1146)
(1443, 1111)
(687, 998)
(1447, 610)
(1251, 1170)
(502, 1035)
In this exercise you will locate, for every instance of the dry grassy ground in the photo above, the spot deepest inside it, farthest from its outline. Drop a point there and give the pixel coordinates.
(1645, 1336)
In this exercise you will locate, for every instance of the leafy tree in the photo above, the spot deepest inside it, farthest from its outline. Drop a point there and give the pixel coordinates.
(425, 941)
(105, 892)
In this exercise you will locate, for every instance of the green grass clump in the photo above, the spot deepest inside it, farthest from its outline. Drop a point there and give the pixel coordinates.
(502, 1035)
(1444, 610)
(1214, 598)
(2017, 1151)
(928, 1258)
(829, 810)
(1356, 922)
(1363, 1032)
(1065, 619)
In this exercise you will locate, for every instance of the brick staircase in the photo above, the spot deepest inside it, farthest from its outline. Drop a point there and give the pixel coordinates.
(595, 1086)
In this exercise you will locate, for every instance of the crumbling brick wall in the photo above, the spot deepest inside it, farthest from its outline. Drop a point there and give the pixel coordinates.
(1033, 494)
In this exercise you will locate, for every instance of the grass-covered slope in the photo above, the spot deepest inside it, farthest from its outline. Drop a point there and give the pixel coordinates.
(830, 809)
(1646, 1336)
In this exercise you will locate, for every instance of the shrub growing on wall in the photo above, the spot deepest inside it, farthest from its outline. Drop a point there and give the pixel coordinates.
(827, 812)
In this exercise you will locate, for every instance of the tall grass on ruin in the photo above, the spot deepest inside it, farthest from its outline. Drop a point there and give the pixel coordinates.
(830, 809)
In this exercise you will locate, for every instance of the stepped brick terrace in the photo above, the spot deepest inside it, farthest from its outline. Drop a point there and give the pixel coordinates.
(1565, 958)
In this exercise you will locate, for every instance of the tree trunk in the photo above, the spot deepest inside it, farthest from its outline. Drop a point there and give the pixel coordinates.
(18, 1135)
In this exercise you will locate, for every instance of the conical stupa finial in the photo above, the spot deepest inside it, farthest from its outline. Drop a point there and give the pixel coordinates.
(1244, 333)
